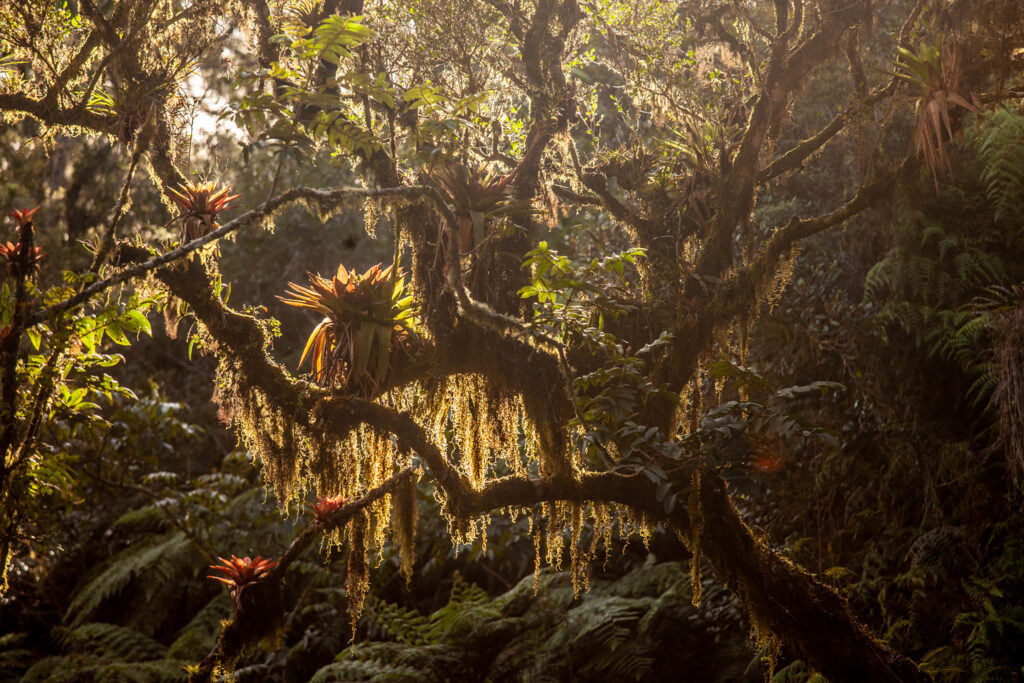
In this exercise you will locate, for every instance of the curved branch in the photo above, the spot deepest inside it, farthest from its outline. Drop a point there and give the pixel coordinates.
(55, 116)
(237, 634)
(324, 197)
(782, 597)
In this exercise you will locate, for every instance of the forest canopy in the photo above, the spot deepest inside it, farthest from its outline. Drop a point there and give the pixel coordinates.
(545, 275)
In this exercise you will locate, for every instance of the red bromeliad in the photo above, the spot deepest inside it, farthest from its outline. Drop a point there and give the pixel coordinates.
(241, 571)
(11, 252)
(326, 505)
(23, 216)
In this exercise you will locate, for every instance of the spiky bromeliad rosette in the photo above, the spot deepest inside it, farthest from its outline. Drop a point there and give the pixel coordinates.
(200, 204)
(366, 328)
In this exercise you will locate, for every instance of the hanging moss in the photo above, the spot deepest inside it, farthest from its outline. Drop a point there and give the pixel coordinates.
(404, 512)
(358, 571)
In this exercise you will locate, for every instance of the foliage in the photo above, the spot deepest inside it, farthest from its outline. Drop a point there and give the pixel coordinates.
(200, 204)
(599, 390)
(622, 629)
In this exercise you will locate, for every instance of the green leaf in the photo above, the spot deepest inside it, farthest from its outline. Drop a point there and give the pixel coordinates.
(34, 336)
(116, 334)
(365, 341)
(383, 351)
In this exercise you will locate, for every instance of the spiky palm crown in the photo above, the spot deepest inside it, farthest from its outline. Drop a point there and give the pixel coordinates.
(200, 203)
(366, 318)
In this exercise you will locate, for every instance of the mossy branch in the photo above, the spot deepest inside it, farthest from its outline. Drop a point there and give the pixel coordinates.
(781, 596)
(237, 634)
(265, 210)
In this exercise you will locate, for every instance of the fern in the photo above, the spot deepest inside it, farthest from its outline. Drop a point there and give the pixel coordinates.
(13, 657)
(78, 668)
(158, 560)
(365, 663)
(928, 285)
(1002, 149)
(198, 636)
(109, 641)
(336, 34)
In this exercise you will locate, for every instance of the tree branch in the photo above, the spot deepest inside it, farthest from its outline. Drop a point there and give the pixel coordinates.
(237, 635)
(265, 210)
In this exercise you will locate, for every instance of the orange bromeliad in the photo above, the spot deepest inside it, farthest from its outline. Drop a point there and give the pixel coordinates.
(241, 571)
(366, 319)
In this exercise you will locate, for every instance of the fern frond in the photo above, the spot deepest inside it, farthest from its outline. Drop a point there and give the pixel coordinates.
(75, 668)
(110, 641)
(198, 636)
(1002, 150)
(156, 559)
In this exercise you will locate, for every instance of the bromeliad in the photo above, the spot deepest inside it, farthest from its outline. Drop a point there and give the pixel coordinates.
(11, 252)
(241, 571)
(200, 204)
(367, 319)
(476, 195)
(323, 507)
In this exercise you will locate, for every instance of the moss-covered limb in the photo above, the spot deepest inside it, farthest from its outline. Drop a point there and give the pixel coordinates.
(52, 115)
(325, 198)
(785, 72)
(743, 292)
(542, 47)
(795, 157)
(781, 597)
(785, 601)
(260, 614)
(338, 518)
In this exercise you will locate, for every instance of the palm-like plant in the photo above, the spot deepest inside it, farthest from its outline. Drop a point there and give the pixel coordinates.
(367, 319)
(200, 204)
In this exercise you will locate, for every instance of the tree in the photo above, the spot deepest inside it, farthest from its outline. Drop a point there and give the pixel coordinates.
(568, 384)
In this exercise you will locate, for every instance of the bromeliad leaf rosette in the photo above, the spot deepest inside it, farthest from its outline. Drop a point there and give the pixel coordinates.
(200, 204)
(476, 195)
(239, 572)
(324, 507)
(11, 252)
(366, 331)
